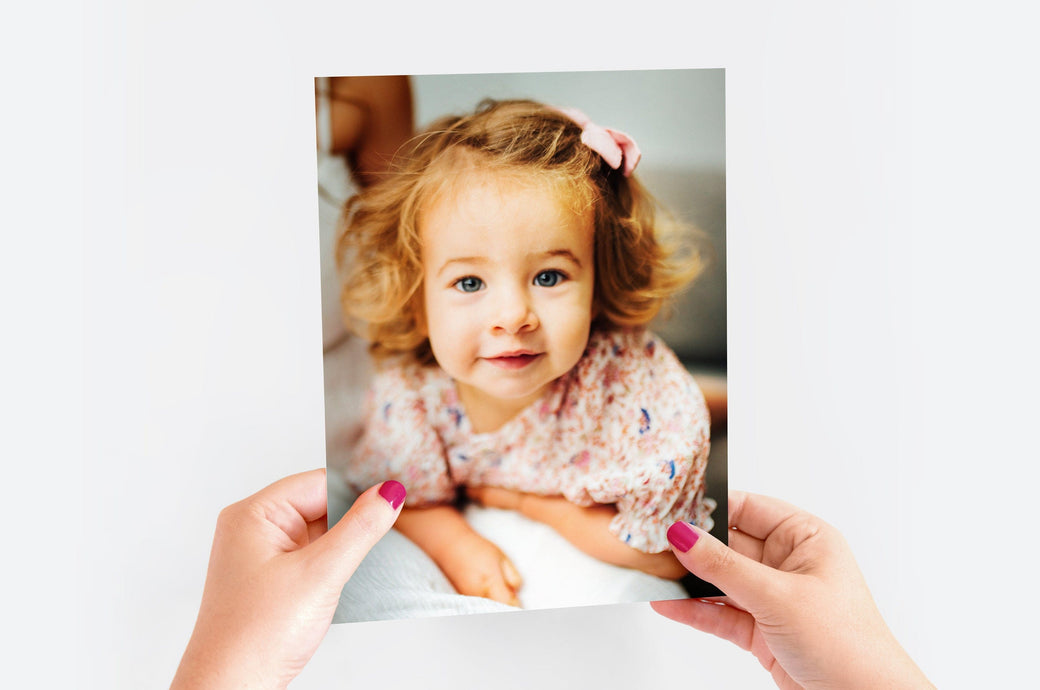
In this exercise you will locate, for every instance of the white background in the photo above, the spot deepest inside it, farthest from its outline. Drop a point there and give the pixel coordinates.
(881, 163)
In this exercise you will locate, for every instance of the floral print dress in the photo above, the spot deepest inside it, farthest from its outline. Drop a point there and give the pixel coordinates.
(626, 426)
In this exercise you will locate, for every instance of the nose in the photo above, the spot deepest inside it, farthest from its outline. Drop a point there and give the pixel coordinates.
(513, 312)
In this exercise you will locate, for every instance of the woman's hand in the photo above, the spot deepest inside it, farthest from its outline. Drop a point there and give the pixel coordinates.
(796, 599)
(274, 580)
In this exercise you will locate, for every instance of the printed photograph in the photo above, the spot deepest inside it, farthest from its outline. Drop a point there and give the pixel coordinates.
(523, 284)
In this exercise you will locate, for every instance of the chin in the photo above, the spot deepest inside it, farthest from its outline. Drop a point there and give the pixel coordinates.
(517, 392)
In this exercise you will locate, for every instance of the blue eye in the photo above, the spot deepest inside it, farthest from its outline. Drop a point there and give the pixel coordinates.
(468, 284)
(548, 278)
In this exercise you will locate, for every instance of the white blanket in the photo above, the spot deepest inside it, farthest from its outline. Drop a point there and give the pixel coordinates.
(398, 580)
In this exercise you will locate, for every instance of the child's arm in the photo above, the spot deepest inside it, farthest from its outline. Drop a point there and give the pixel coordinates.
(585, 528)
(474, 565)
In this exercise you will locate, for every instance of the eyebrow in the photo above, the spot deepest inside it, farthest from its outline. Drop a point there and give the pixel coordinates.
(565, 253)
(461, 260)
(552, 253)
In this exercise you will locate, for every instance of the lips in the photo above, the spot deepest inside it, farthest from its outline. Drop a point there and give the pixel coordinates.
(517, 359)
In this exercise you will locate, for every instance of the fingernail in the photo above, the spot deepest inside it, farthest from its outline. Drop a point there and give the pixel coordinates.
(394, 493)
(682, 536)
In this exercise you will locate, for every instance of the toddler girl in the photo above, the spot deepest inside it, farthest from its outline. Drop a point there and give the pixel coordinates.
(504, 271)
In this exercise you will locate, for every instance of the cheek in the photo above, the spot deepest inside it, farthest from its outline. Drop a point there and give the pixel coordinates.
(577, 319)
(445, 323)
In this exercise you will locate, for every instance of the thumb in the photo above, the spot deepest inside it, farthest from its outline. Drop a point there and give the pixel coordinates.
(511, 574)
(745, 581)
(345, 545)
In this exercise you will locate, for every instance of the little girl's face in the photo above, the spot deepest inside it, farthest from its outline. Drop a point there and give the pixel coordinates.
(508, 287)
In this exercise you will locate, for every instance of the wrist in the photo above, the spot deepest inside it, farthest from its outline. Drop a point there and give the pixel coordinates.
(217, 665)
(523, 505)
(874, 660)
(444, 545)
(533, 507)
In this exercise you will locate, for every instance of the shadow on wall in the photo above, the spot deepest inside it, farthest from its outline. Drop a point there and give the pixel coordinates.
(696, 329)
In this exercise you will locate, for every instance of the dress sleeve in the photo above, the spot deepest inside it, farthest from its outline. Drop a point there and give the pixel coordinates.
(658, 430)
(398, 442)
(668, 487)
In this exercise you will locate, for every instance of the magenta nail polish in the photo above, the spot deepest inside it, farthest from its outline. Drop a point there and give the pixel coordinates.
(682, 536)
(394, 493)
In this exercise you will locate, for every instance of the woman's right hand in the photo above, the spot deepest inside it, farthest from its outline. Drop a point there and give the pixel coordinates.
(795, 599)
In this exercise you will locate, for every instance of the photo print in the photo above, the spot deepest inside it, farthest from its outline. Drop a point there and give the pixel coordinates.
(524, 323)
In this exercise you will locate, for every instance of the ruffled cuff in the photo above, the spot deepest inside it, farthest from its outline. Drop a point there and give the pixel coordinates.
(650, 534)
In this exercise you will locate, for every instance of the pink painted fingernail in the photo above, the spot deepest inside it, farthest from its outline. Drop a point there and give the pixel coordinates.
(394, 493)
(682, 536)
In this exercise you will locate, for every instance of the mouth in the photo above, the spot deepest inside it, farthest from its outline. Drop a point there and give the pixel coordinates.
(517, 359)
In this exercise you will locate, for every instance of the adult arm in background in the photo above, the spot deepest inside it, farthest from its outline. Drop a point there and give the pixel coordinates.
(274, 580)
(370, 118)
(796, 599)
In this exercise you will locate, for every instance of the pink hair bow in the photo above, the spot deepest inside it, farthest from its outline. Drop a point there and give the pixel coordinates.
(613, 146)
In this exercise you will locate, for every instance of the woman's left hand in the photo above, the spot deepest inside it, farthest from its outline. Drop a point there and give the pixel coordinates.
(274, 580)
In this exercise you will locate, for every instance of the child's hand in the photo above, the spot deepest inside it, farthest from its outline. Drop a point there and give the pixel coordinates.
(475, 566)
(494, 497)
(478, 568)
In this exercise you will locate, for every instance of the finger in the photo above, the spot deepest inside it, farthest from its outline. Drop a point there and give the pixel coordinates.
(718, 619)
(727, 623)
(511, 574)
(316, 528)
(475, 494)
(746, 545)
(500, 591)
(757, 515)
(728, 601)
(305, 492)
(745, 581)
(343, 547)
(289, 504)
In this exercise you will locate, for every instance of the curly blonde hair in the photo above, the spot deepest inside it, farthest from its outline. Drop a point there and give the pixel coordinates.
(640, 260)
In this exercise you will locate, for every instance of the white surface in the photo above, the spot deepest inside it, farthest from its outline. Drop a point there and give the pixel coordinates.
(398, 581)
(882, 317)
